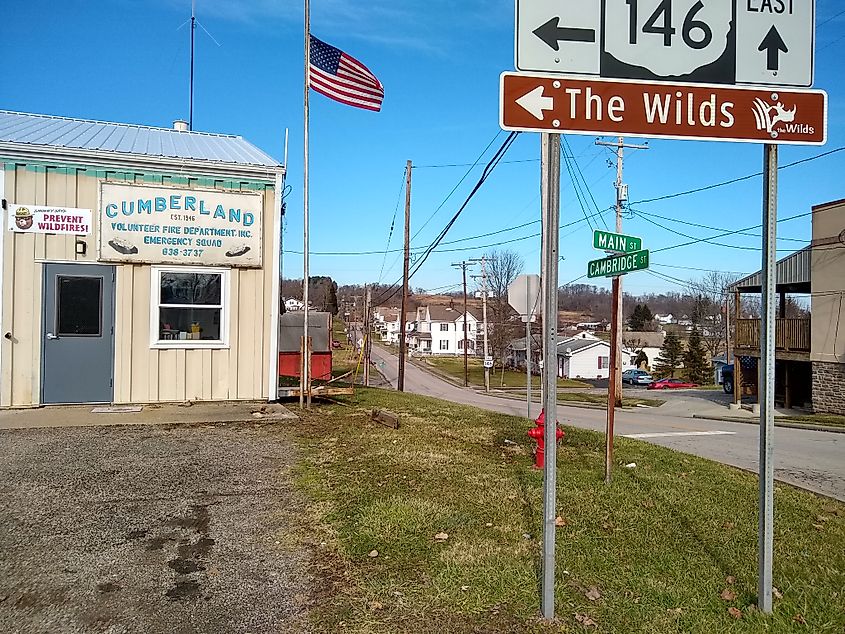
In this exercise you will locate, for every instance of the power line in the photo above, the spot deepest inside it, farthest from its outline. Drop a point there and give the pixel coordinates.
(830, 19)
(455, 188)
(724, 235)
(700, 226)
(692, 268)
(584, 180)
(420, 167)
(488, 170)
(447, 242)
(737, 180)
(392, 226)
(710, 240)
(577, 190)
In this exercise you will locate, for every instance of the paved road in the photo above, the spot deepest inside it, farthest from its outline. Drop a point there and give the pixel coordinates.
(149, 530)
(810, 459)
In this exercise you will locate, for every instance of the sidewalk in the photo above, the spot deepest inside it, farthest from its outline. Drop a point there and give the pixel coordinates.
(95, 415)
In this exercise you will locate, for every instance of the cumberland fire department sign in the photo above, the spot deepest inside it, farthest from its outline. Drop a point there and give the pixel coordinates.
(768, 42)
(165, 225)
(552, 103)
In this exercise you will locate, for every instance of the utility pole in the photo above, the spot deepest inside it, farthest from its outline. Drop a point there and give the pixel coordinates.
(400, 382)
(614, 387)
(483, 261)
(463, 266)
(368, 329)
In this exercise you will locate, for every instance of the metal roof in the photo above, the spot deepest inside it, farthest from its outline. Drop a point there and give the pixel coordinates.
(793, 275)
(44, 131)
(576, 345)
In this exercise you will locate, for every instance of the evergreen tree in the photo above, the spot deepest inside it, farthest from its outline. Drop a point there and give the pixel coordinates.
(695, 359)
(642, 360)
(670, 357)
(323, 293)
(642, 319)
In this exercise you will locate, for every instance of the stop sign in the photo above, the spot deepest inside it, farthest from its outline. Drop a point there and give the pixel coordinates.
(524, 296)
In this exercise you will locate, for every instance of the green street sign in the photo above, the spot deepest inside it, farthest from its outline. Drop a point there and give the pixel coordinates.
(618, 264)
(606, 241)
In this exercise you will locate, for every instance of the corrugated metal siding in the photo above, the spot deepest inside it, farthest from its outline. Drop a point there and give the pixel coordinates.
(793, 269)
(145, 375)
(141, 374)
(43, 130)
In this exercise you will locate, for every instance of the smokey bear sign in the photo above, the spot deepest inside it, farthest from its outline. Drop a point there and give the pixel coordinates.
(57, 220)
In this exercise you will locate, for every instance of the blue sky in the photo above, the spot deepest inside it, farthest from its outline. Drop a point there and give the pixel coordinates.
(440, 62)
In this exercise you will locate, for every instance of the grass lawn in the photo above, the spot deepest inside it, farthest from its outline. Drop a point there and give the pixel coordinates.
(830, 420)
(601, 399)
(344, 358)
(669, 546)
(454, 366)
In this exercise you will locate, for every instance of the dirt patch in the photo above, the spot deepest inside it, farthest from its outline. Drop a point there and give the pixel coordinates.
(150, 531)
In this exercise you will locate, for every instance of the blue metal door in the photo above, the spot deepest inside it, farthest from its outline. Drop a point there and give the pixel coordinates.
(77, 348)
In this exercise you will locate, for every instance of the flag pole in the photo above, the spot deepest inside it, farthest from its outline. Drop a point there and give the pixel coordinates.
(305, 378)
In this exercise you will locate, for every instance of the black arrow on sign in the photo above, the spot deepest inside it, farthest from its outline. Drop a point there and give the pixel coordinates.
(552, 34)
(774, 44)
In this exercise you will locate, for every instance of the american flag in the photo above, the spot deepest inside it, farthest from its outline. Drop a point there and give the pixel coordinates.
(343, 78)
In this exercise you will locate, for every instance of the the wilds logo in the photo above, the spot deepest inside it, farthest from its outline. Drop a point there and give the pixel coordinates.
(776, 119)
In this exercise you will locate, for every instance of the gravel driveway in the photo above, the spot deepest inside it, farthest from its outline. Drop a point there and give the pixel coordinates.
(148, 530)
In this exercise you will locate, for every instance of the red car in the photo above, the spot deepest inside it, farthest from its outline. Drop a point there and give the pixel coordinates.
(671, 384)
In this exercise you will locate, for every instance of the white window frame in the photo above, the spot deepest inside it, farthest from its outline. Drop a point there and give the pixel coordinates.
(189, 344)
(444, 327)
(446, 348)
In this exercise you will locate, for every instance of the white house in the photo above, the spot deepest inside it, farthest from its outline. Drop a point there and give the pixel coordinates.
(292, 305)
(649, 343)
(587, 357)
(393, 328)
(590, 325)
(439, 331)
(664, 319)
(381, 318)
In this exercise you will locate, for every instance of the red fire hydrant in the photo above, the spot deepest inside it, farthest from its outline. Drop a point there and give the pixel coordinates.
(538, 433)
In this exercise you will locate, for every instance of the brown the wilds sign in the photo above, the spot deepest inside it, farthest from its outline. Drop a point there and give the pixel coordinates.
(547, 103)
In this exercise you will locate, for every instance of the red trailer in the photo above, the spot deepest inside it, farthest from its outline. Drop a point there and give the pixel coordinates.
(290, 342)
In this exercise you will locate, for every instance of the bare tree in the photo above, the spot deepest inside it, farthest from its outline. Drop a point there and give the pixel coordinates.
(709, 300)
(503, 267)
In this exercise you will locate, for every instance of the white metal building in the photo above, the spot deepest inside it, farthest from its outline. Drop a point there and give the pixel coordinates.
(137, 264)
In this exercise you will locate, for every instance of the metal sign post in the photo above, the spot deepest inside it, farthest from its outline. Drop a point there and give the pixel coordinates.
(550, 192)
(721, 70)
(767, 379)
(528, 368)
(524, 297)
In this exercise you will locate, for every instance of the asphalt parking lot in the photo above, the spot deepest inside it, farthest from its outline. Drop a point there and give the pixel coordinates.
(149, 530)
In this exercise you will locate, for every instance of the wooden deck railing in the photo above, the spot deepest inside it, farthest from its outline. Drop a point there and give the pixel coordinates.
(791, 335)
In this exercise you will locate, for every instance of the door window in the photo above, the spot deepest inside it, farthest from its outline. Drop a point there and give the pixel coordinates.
(79, 302)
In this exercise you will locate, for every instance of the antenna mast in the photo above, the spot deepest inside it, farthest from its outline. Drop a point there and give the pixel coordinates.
(193, 29)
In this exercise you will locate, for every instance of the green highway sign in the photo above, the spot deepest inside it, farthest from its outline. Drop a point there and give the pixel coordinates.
(618, 264)
(606, 241)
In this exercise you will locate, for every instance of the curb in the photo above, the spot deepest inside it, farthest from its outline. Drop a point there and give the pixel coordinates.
(578, 404)
(778, 423)
(451, 380)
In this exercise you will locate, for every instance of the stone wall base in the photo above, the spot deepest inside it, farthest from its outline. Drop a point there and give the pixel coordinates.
(829, 388)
